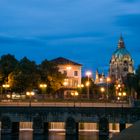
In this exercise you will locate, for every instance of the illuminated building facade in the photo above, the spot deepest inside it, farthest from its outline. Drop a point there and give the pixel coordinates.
(72, 70)
(121, 62)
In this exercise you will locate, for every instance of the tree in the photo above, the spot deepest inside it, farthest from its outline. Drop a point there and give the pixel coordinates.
(25, 77)
(8, 63)
(50, 75)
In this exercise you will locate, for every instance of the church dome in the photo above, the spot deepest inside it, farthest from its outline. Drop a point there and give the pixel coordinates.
(121, 62)
(121, 51)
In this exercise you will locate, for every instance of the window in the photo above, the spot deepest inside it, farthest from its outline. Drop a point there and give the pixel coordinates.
(65, 72)
(75, 73)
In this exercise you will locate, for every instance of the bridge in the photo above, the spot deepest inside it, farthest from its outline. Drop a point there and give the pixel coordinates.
(11, 116)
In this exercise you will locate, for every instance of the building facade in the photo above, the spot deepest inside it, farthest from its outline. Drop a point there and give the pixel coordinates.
(72, 70)
(121, 62)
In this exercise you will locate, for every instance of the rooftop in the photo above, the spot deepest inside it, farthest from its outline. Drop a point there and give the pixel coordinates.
(64, 61)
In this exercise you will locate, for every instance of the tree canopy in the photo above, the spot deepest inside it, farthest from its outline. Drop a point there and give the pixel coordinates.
(26, 75)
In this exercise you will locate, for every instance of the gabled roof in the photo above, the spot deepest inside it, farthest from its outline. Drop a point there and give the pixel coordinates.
(64, 61)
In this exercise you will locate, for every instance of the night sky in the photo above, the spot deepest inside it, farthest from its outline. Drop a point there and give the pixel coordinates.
(85, 31)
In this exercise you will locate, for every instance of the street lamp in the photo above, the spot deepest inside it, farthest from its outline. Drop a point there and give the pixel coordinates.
(43, 88)
(88, 74)
(102, 89)
(30, 94)
(108, 80)
(74, 94)
(5, 86)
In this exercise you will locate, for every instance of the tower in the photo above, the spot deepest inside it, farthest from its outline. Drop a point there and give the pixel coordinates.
(121, 62)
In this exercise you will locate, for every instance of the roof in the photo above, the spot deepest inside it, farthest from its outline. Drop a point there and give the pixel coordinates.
(64, 61)
(120, 52)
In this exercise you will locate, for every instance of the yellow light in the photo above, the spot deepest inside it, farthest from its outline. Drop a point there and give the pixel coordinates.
(102, 89)
(72, 93)
(76, 93)
(6, 86)
(87, 83)
(124, 93)
(65, 83)
(68, 67)
(30, 93)
(27, 93)
(108, 79)
(118, 98)
(42, 85)
(8, 96)
(82, 85)
(120, 94)
(119, 85)
(101, 79)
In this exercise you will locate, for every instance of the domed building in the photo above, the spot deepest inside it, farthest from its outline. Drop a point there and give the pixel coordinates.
(121, 62)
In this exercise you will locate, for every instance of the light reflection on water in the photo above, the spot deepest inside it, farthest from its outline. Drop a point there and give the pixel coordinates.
(28, 135)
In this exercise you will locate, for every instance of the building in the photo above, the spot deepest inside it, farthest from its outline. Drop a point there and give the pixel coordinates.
(72, 70)
(121, 62)
(99, 78)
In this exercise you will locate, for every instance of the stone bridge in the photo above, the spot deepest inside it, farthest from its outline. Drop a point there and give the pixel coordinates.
(41, 116)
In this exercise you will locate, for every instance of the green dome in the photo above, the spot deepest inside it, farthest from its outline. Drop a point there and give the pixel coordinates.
(121, 52)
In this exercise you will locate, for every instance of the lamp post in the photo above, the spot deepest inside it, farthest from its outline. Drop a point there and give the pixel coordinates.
(5, 86)
(107, 81)
(88, 74)
(43, 88)
(74, 94)
(102, 89)
(30, 94)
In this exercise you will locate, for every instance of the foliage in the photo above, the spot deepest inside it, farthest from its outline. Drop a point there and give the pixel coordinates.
(8, 64)
(26, 75)
(51, 76)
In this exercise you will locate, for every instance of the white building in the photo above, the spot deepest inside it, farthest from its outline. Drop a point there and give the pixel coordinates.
(72, 71)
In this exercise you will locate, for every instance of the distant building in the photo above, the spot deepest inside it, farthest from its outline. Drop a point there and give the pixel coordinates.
(72, 71)
(121, 62)
(99, 78)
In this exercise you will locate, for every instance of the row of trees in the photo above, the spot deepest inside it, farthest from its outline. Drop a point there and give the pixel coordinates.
(26, 75)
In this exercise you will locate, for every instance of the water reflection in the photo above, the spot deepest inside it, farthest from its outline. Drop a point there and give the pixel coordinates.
(28, 135)
(9, 137)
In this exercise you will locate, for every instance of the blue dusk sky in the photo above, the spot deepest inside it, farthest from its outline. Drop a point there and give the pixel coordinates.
(85, 31)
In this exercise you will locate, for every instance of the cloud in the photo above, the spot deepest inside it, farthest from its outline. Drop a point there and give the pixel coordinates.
(7, 40)
(129, 21)
(129, 1)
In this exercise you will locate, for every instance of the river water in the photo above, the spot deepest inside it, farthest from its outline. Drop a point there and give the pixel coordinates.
(53, 135)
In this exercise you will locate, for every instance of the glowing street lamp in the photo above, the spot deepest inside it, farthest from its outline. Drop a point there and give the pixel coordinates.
(74, 94)
(5, 86)
(43, 89)
(108, 80)
(88, 74)
(102, 89)
(30, 94)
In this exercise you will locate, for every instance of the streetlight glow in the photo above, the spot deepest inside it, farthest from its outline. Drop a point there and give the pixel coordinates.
(102, 89)
(88, 74)
(42, 85)
(68, 67)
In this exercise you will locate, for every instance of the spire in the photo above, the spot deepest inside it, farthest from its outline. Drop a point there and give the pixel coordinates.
(121, 42)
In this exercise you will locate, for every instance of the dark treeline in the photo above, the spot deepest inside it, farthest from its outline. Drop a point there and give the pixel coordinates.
(25, 75)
